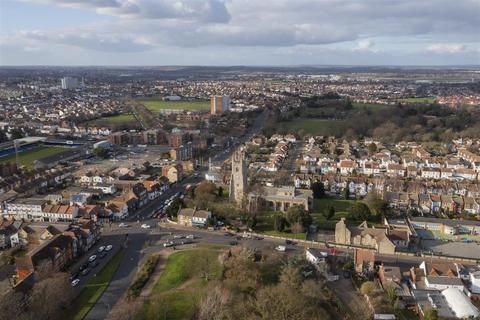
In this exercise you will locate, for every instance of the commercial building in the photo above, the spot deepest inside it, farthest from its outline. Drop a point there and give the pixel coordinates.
(182, 153)
(69, 83)
(219, 104)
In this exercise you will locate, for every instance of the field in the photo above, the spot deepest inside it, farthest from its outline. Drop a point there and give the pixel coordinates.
(418, 100)
(113, 120)
(95, 288)
(342, 208)
(26, 158)
(320, 127)
(183, 283)
(371, 106)
(154, 105)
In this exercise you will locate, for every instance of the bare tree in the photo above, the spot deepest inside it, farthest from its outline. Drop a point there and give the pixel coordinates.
(215, 306)
(126, 311)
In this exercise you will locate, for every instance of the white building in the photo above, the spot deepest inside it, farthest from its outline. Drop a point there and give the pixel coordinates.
(475, 280)
(460, 304)
(69, 83)
(29, 209)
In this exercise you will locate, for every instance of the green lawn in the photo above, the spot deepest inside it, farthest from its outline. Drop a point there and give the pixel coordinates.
(342, 208)
(315, 126)
(371, 106)
(26, 158)
(95, 288)
(113, 120)
(182, 284)
(155, 105)
(298, 236)
(419, 100)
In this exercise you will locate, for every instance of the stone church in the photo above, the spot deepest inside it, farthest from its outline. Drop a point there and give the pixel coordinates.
(238, 180)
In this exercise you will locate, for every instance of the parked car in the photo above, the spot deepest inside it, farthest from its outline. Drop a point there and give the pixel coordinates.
(227, 234)
(190, 236)
(109, 247)
(92, 258)
(85, 271)
(93, 264)
(100, 249)
(145, 226)
(75, 282)
(123, 225)
(178, 236)
(186, 241)
(74, 276)
(281, 248)
(233, 243)
(168, 244)
(83, 267)
(102, 255)
(346, 274)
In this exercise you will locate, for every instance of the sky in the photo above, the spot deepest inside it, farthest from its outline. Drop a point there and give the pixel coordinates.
(239, 32)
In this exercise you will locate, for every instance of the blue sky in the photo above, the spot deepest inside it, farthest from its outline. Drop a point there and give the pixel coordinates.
(239, 32)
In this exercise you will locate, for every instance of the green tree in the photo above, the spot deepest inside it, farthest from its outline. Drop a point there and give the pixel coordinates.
(279, 223)
(372, 148)
(346, 192)
(360, 211)
(377, 205)
(318, 190)
(431, 314)
(330, 213)
(205, 193)
(220, 192)
(172, 209)
(101, 152)
(298, 214)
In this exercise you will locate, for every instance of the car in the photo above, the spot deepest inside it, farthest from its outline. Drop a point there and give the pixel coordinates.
(346, 274)
(281, 248)
(227, 234)
(93, 264)
(233, 243)
(258, 238)
(83, 267)
(85, 271)
(168, 244)
(178, 236)
(145, 226)
(102, 255)
(74, 276)
(186, 241)
(100, 249)
(75, 282)
(238, 238)
(190, 236)
(92, 258)
(109, 247)
(123, 225)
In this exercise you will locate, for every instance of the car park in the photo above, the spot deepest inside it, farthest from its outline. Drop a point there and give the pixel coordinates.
(92, 258)
(109, 247)
(75, 282)
(100, 249)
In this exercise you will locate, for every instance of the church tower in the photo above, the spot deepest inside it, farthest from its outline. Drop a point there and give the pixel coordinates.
(238, 180)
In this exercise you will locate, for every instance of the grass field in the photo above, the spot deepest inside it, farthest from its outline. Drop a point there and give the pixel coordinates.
(155, 105)
(315, 126)
(342, 208)
(95, 288)
(113, 120)
(26, 158)
(182, 285)
(419, 100)
(371, 106)
(298, 236)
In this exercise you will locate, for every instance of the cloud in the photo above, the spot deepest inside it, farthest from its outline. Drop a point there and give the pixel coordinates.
(206, 11)
(449, 48)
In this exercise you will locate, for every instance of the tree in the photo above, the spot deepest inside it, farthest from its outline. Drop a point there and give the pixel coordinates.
(298, 214)
(220, 192)
(391, 295)
(360, 211)
(367, 287)
(205, 193)
(372, 148)
(215, 305)
(101, 152)
(346, 192)
(431, 314)
(318, 190)
(279, 223)
(377, 205)
(328, 214)
(172, 209)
